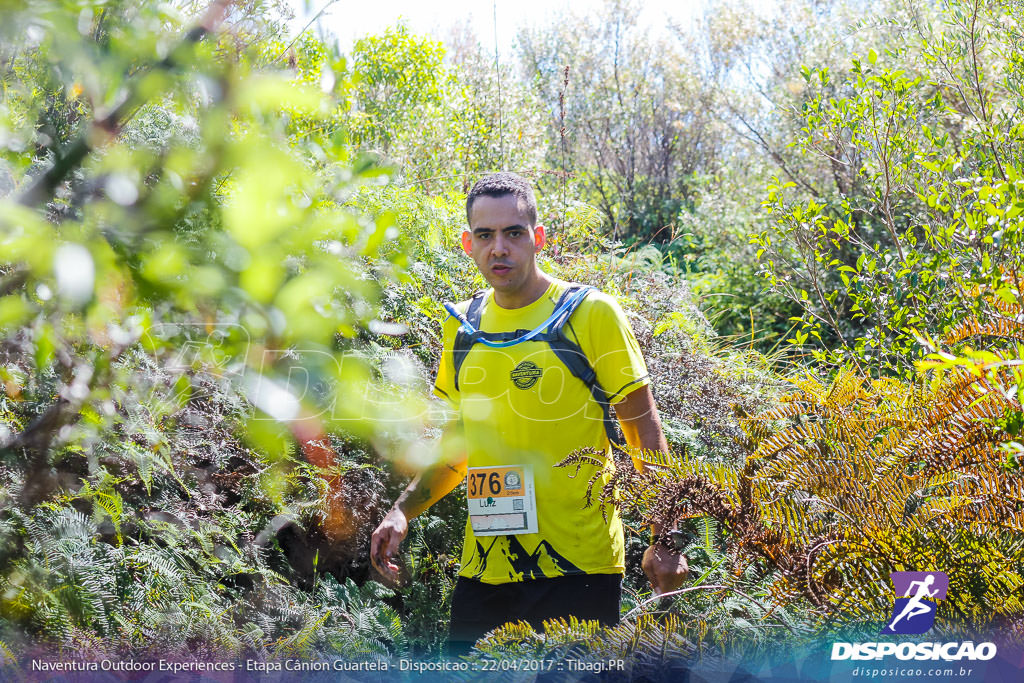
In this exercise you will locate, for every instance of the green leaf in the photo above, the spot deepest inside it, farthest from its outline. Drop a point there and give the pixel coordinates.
(14, 312)
(266, 94)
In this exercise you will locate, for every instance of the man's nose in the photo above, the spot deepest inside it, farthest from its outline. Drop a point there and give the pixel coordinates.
(500, 246)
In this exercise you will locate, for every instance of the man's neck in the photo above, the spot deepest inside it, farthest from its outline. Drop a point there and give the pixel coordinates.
(525, 296)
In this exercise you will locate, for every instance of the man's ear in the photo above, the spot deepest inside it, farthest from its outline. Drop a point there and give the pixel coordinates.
(539, 237)
(467, 242)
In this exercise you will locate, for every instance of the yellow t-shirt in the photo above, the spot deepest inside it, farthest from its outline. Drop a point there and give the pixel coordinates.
(520, 405)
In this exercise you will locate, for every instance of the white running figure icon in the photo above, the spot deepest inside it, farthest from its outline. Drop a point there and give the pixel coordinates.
(916, 604)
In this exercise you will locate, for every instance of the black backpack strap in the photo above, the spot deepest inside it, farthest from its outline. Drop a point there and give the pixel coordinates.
(464, 340)
(476, 308)
(573, 357)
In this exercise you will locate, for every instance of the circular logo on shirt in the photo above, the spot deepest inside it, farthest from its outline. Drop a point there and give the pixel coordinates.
(512, 481)
(525, 375)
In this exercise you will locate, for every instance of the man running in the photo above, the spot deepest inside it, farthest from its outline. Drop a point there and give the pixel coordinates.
(531, 551)
(916, 606)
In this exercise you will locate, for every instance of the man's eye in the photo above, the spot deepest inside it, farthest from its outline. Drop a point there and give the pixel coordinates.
(514, 233)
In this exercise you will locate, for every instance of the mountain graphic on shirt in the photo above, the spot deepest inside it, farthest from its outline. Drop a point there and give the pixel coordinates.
(543, 562)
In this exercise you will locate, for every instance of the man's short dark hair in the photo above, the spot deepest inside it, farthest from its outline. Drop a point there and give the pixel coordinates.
(503, 183)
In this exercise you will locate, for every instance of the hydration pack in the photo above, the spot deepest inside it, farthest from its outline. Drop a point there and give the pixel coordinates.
(550, 331)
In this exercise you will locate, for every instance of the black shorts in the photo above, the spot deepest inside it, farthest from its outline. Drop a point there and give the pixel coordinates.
(480, 607)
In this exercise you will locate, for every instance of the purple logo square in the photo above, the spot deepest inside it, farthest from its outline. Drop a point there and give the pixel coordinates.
(917, 596)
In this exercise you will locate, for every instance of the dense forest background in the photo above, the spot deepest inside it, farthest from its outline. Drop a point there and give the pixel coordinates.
(223, 257)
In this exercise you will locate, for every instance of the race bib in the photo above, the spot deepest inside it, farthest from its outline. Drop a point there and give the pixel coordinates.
(501, 500)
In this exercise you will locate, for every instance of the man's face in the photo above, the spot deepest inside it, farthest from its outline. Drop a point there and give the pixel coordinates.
(502, 243)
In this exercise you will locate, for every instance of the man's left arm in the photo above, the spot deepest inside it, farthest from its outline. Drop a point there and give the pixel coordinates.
(638, 415)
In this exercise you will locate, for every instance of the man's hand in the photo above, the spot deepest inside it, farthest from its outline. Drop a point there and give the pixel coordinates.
(665, 569)
(385, 541)
(426, 489)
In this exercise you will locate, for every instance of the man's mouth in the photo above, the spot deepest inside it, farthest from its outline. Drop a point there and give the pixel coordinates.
(500, 269)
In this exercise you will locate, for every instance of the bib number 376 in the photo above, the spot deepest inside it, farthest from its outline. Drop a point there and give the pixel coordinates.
(501, 500)
(485, 482)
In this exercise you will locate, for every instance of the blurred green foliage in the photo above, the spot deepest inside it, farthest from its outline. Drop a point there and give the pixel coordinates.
(177, 255)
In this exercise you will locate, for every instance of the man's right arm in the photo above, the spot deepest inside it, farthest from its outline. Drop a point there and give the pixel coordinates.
(427, 488)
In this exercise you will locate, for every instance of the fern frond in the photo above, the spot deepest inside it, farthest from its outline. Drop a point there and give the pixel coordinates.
(1010, 328)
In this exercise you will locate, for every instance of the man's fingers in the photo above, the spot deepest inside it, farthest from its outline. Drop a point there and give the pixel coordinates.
(385, 542)
(376, 543)
(383, 546)
(379, 553)
(393, 541)
(665, 569)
